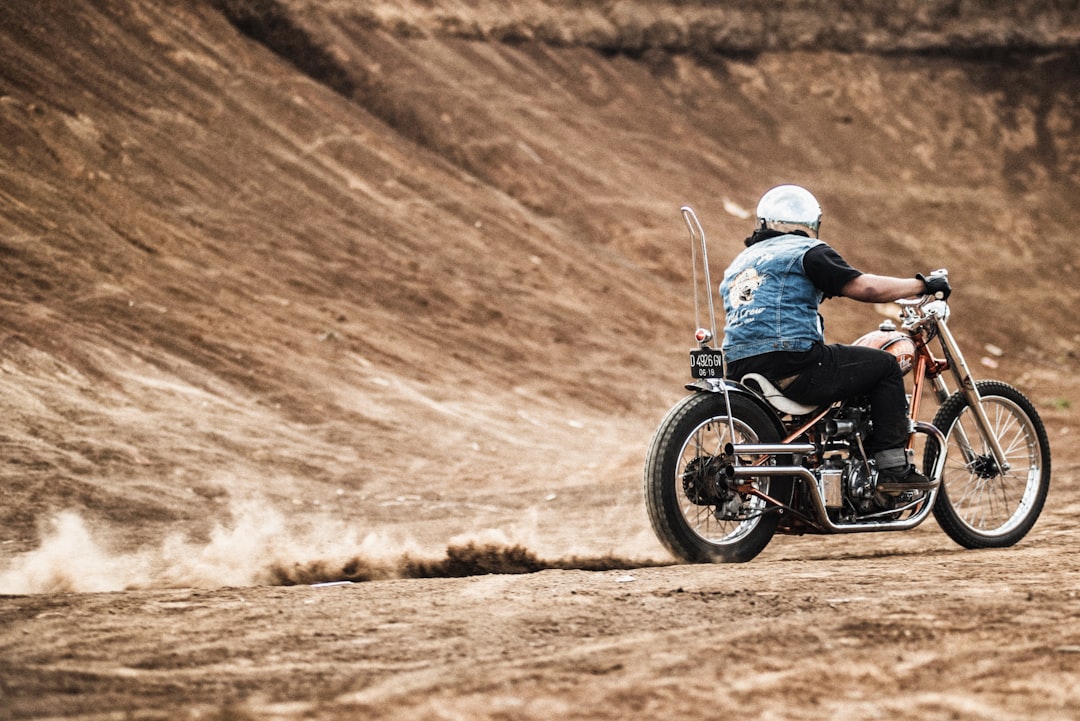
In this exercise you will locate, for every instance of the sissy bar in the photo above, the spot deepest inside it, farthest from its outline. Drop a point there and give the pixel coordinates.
(704, 335)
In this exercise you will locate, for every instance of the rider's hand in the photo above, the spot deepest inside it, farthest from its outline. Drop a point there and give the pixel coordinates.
(936, 285)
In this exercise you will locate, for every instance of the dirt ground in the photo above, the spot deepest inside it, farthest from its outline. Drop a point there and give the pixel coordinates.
(333, 335)
(898, 627)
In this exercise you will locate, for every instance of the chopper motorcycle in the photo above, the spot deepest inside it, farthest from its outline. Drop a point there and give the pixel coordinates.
(736, 462)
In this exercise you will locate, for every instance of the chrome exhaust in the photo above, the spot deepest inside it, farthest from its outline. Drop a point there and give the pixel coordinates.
(821, 515)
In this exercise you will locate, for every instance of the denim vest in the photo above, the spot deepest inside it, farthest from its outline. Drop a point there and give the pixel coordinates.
(771, 304)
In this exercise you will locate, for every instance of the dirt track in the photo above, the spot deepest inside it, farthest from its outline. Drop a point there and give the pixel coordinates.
(298, 292)
(857, 628)
(891, 626)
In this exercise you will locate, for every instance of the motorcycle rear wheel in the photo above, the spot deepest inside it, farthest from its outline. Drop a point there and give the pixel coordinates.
(977, 505)
(695, 516)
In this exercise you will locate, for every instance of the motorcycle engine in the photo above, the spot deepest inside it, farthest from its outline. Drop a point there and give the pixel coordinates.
(847, 482)
(850, 488)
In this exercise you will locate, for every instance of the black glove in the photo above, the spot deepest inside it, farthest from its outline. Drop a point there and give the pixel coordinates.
(937, 284)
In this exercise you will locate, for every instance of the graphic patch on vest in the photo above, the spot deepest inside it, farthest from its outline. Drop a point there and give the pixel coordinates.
(744, 286)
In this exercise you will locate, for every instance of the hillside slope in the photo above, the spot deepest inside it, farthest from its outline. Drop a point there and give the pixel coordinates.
(421, 273)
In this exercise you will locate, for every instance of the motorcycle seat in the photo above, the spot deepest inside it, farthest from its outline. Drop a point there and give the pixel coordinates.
(775, 397)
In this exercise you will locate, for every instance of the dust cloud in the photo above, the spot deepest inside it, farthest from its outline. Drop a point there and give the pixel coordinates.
(259, 545)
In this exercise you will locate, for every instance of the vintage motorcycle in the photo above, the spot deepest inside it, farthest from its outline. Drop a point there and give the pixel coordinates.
(736, 462)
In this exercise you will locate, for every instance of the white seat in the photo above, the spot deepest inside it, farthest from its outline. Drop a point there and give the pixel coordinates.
(775, 396)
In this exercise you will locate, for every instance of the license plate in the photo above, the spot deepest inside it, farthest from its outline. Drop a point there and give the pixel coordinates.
(706, 363)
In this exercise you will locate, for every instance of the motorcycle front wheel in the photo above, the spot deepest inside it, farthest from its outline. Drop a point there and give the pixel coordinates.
(694, 512)
(978, 505)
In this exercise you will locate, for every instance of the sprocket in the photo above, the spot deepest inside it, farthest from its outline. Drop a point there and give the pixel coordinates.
(703, 481)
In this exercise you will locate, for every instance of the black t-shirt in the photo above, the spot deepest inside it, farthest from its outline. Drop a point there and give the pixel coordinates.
(827, 270)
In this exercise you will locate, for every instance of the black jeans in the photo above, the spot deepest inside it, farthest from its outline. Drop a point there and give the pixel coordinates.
(828, 373)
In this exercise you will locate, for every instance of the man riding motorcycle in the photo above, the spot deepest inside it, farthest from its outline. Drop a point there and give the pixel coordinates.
(772, 292)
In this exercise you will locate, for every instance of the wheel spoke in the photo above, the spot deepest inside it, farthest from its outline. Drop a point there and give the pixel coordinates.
(983, 497)
(706, 442)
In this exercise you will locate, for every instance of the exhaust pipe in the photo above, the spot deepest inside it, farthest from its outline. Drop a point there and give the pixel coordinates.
(805, 474)
(768, 449)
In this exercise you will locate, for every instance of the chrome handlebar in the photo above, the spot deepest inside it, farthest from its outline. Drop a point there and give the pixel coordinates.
(926, 310)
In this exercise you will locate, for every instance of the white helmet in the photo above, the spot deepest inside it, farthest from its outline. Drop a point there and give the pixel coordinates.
(789, 205)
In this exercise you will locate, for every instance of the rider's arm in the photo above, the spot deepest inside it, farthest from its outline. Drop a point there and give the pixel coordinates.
(872, 288)
(834, 276)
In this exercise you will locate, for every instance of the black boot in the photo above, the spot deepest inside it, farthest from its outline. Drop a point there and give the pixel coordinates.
(896, 473)
(902, 478)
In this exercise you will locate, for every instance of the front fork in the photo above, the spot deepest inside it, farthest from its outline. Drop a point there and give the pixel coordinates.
(962, 374)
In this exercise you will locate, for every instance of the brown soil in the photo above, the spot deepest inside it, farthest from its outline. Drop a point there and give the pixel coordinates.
(332, 340)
